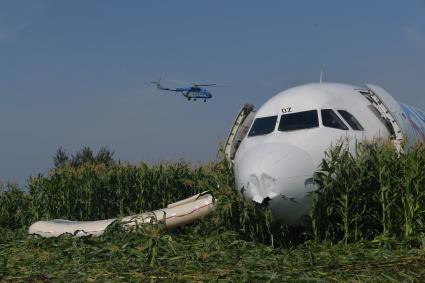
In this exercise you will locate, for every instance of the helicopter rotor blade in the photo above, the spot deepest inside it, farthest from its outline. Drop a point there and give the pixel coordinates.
(195, 84)
(180, 82)
(211, 85)
(204, 84)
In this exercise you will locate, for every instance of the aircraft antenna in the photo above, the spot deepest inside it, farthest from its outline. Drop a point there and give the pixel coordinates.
(321, 75)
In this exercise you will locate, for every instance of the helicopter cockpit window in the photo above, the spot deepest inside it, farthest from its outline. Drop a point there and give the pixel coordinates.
(351, 120)
(331, 120)
(263, 126)
(299, 121)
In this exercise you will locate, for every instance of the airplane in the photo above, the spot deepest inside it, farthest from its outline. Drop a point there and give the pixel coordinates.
(276, 149)
(193, 92)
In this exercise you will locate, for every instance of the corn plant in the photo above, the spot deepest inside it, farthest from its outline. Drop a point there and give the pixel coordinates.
(375, 192)
(14, 207)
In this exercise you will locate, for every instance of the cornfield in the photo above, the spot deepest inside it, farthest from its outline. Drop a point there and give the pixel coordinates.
(370, 208)
(95, 191)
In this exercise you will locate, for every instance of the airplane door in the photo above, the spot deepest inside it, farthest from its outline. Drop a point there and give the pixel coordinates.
(392, 110)
(239, 130)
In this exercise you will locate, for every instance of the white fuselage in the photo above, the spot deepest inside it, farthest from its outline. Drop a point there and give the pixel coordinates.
(276, 166)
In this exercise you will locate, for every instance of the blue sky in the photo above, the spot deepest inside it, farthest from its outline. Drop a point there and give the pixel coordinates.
(76, 73)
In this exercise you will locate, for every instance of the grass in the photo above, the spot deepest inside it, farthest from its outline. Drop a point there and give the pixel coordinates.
(367, 224)
(187, 256)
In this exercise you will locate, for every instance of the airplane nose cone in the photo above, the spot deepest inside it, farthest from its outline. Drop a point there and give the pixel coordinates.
(278, 173)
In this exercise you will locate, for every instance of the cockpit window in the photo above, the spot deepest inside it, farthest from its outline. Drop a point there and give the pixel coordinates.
(263, 126)
(351, 120)
(299, 121)
(331, 120)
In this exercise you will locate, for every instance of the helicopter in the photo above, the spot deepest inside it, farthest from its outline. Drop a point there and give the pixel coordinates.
(194, 92)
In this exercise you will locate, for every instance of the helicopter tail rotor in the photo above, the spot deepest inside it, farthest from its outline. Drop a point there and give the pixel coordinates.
(157, 83)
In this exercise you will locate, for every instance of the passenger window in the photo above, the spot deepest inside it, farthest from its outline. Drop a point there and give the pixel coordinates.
(351, 120)
(263, 126)
(331, 120)
(299, 121)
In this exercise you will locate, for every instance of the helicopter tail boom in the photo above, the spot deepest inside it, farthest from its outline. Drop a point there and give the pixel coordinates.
(159, 86)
